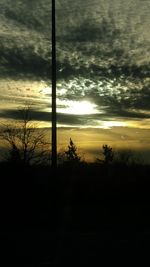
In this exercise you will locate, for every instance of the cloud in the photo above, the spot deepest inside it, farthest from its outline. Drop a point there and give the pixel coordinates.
(116, 96)
(103, 44)
(130, 119)
(67, 119)
(102, 57)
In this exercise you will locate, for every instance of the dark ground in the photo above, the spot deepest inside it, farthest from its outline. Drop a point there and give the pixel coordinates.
(74, 215)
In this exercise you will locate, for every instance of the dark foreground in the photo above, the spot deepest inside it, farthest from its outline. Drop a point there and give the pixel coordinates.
(72, 216)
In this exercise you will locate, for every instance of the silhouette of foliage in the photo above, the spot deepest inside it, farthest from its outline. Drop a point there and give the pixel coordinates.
(127, 157)
(108, 154)
(27, 143)
(71, 153)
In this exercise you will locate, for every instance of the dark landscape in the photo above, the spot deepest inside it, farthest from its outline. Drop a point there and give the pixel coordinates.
(73, 215)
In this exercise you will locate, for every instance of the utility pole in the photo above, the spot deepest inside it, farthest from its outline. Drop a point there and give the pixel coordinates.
(54, 115)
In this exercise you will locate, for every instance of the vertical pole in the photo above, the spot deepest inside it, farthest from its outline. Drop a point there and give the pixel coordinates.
(54, 117)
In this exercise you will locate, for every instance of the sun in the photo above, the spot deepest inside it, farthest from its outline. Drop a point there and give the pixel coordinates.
(79, 108)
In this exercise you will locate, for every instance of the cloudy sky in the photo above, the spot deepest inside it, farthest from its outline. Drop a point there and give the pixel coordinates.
(103, 69)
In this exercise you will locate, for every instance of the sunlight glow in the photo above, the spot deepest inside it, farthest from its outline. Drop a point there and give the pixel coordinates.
(110, 124)
(79, 108)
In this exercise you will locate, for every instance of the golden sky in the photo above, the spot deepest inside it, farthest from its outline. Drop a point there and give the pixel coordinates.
(103, 69)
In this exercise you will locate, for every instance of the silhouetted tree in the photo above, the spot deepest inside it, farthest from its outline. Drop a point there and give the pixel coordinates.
(27, 143)
(108, 154)
(71, 153)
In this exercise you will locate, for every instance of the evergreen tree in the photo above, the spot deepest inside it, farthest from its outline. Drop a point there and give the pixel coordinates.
(71, 153)
(108, 154)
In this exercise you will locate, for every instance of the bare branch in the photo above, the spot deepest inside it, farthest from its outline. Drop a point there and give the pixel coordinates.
(25, 139)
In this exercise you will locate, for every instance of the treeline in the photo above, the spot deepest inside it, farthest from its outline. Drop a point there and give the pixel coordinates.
(28, 145)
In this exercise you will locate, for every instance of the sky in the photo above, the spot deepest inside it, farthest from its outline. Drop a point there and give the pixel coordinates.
(103, 70)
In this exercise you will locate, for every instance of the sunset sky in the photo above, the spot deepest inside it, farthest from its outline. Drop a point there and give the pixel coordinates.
(103, 70)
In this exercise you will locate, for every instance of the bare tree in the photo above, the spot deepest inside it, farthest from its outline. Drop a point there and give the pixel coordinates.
(26, 142)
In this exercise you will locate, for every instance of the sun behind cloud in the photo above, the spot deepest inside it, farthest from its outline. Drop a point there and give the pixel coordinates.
(79, 107)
